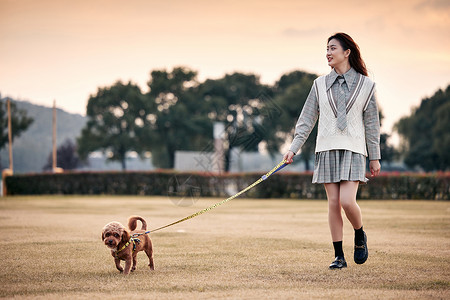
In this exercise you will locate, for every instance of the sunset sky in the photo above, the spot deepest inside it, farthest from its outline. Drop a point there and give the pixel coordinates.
(65, 49)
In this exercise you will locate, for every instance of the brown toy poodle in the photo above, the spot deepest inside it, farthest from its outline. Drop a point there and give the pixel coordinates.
(124, 246)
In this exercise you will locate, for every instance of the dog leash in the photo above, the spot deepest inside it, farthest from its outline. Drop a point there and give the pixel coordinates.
(277, 168)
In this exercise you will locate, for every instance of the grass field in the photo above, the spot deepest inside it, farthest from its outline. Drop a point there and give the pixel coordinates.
(247, 249)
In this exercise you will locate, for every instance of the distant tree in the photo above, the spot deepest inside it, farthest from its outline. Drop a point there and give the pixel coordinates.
(388, 152)
(441, 131)
(291, 92)
(425, 133)
(19, 122)
(177, 118)
(246, 108)
(116, 118)
(66, 157)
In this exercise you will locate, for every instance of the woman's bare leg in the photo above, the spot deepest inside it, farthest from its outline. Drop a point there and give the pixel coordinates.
(347, 197)
(334, 211)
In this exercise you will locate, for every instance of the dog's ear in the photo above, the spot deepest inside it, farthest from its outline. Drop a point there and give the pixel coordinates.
(103, 235)
(126, 236)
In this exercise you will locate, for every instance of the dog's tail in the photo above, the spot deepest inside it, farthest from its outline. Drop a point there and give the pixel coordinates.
(132, 223)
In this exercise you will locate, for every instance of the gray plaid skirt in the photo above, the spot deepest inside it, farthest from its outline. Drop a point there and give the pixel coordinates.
(336, 165)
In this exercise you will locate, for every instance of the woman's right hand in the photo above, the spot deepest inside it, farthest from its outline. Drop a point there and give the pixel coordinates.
(288, 157)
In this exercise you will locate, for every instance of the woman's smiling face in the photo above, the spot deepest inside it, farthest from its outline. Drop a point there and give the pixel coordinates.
(336, 54)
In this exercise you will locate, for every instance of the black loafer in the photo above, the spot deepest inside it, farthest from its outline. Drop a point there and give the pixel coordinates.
(361, 252)
(338, 263)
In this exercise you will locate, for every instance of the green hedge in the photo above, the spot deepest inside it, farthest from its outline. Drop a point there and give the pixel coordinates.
(434, 186)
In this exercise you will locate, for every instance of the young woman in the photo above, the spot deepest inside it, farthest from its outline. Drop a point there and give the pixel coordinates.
(348, 132)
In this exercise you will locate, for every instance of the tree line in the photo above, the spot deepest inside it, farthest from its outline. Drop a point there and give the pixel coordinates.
(178, 113)
(426, 133)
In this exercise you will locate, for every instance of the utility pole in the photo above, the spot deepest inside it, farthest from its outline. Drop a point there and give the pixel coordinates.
(54, 137)
(8, 172)
(10, 136)
(55, 168)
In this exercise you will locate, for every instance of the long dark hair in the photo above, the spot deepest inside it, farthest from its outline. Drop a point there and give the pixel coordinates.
(355, 60)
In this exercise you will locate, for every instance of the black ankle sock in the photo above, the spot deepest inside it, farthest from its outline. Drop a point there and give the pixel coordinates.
(359, 235)
(338, 249)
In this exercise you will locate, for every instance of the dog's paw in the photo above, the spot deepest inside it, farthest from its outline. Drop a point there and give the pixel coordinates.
(120, 270)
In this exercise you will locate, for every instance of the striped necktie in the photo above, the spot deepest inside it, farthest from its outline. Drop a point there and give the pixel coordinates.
(341, 109)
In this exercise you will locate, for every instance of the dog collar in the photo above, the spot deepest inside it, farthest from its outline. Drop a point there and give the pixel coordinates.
(124, 246)
(132, 240)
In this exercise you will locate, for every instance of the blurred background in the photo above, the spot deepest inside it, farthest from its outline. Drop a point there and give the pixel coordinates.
(211, 85)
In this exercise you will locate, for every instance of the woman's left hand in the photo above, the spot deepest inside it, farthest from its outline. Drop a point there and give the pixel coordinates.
(375, 167)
